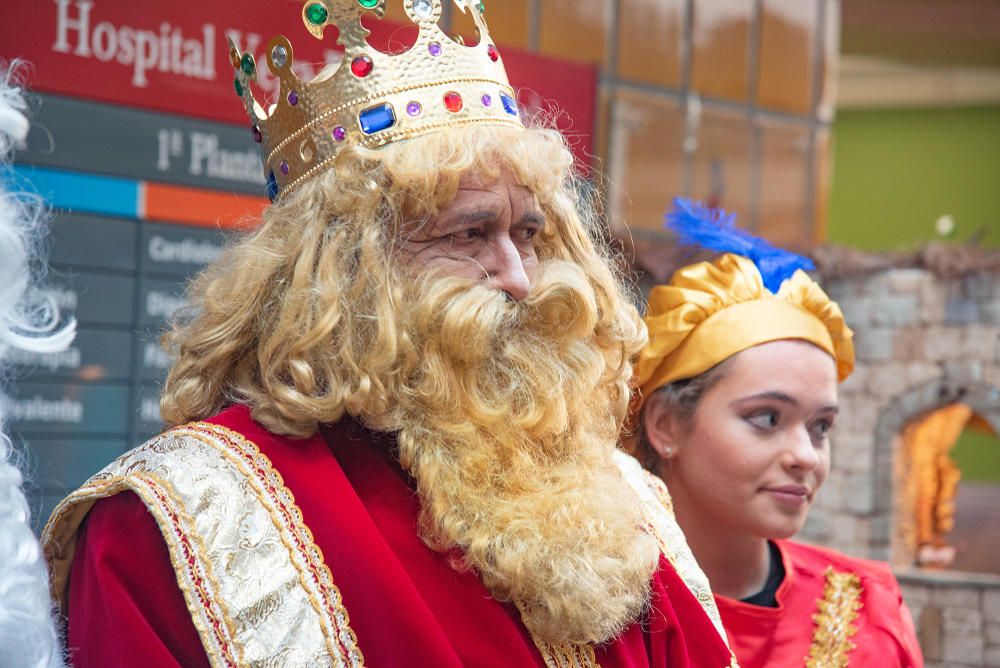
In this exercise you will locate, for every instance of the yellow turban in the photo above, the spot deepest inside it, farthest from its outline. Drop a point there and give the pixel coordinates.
(712, 310)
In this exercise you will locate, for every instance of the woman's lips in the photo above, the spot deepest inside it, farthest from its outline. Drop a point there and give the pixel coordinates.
(794, 496)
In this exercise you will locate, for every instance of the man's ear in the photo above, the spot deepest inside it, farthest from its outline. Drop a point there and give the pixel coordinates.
(661, 427)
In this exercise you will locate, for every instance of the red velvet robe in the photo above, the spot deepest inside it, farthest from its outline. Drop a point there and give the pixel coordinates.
(407, 605)
(781, 636)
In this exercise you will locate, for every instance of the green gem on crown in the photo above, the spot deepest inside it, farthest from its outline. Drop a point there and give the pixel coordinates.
(481, 6)
(368, 4)
(317, 14)
(238, 86)
(247, 64)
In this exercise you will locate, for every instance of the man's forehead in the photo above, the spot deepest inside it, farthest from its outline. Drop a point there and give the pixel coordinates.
(479, 182)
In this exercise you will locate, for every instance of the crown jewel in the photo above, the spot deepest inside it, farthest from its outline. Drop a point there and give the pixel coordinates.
(372, 98)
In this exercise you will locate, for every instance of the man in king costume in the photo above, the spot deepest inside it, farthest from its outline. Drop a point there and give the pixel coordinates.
(396, 405)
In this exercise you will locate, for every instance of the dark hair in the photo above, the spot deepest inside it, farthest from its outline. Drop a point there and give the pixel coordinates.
(682, 398)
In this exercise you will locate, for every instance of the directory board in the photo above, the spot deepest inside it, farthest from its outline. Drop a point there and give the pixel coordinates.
(119, 263)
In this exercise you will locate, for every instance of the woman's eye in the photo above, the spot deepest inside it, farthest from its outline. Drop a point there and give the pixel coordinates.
(821, 428)
(767, 419)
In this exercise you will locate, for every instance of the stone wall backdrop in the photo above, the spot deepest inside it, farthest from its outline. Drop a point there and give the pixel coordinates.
(925, 339)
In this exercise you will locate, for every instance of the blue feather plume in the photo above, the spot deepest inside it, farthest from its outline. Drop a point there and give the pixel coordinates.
(714, 229)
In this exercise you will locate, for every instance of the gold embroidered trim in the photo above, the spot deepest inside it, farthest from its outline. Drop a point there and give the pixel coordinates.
(191, 561)
(702, 593)
(314, 574)
(658, 509)
(223, 480)
(187, 554)
(835, 618)
(566, 655)
(663, 497)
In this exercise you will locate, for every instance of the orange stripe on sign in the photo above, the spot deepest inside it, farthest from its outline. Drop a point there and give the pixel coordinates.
(202, 208)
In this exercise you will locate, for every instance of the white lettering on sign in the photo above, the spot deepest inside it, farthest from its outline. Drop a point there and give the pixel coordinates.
(167, 50)
(218, 163)
(162, 304)
(65, 359)
(39, 409)
(155, 357)
(185, 251)
(171, 145)
(207, 158)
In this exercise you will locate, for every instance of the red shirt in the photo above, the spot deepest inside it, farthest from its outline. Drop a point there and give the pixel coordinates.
(407, 605)
(781, 636)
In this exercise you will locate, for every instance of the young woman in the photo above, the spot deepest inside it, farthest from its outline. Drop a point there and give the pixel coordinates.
(738, 394)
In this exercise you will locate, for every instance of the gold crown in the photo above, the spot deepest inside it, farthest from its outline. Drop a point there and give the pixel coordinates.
(373, 98)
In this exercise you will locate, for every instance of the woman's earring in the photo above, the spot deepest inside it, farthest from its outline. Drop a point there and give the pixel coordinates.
(668, 451)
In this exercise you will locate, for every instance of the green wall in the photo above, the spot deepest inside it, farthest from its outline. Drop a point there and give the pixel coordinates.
(977, 456)
(896, 171)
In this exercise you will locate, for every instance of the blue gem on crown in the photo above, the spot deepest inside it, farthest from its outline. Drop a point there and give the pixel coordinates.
(376, 119)
(509, 104)
(272, 187)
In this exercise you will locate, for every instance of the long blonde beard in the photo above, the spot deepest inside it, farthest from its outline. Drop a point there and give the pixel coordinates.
(507, 418)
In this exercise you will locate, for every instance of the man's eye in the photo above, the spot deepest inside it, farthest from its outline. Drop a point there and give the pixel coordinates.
(527, 233)
(468, 234)
(766, 419)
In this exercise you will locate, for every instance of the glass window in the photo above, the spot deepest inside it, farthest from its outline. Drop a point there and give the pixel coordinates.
(720, 44)
(721, 167)
(828, 67)
(646, 160)
(787, 36)
(784, 174)
(650, 41)
(575, 29)
(509, 22)
(823, 180)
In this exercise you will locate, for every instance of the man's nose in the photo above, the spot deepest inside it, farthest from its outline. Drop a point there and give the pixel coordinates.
(506, 269)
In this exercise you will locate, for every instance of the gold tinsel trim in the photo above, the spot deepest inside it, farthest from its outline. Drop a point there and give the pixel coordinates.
(835, 615)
